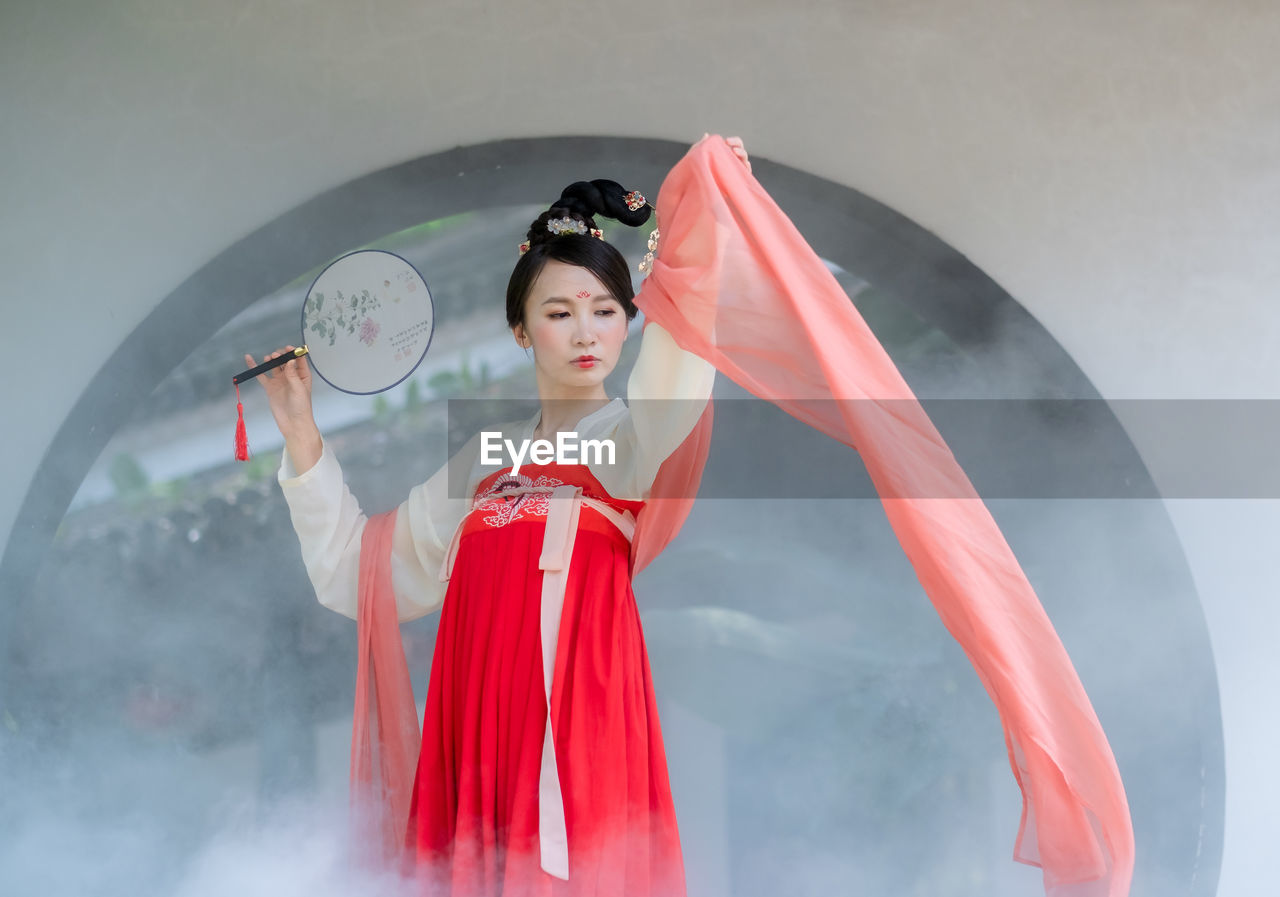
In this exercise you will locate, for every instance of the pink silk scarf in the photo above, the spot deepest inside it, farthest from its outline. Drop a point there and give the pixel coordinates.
(736, 284)
(385, 738)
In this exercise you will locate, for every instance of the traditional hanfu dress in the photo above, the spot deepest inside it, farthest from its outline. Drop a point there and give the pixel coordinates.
(511, 798)
(735, 284)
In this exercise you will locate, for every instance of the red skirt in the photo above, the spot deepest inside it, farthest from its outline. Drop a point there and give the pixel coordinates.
(473, 825)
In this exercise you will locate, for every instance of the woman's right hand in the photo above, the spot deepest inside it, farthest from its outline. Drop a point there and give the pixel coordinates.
(288, 389)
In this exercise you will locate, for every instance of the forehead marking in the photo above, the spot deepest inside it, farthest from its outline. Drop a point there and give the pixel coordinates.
(583, 294)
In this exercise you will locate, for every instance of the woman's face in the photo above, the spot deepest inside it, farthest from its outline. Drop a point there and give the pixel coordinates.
(568, 314)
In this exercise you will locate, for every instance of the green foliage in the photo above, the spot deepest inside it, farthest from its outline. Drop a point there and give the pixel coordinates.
(127, 475)
(413, 396)
(464, 374)
(444, 384)
(171, 490)
(261, 467)
(464, 381)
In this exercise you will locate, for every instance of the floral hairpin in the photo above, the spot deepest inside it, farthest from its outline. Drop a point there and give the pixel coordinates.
(635, 200)
(567, 225)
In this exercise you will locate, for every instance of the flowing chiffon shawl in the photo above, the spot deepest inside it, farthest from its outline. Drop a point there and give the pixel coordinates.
(735, 283)
(385, 738)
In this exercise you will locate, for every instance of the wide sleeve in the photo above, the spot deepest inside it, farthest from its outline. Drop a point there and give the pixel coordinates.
(330, 525)
(667, 391)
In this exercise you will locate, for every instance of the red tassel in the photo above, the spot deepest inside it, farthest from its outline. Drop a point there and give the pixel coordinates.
(242, 438)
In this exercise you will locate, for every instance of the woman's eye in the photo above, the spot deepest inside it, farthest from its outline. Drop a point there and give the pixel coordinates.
(603, 311)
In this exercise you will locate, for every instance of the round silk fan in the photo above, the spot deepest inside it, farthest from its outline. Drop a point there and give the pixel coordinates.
(367, 322)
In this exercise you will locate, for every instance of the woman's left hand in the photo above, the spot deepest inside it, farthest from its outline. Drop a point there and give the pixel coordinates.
(735, 144)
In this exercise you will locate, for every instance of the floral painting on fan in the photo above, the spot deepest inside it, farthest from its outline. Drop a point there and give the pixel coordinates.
(327, 316)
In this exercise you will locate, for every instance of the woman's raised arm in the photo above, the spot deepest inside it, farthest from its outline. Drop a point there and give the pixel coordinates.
(328, 519)
(666, 394)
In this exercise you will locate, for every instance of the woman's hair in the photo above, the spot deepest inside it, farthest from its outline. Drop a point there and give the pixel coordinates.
(582, 200)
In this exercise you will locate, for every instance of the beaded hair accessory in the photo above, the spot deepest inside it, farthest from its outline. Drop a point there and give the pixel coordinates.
(635, 200)
(568, 225)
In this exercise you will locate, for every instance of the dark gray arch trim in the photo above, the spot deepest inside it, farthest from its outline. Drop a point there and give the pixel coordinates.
(939, 285)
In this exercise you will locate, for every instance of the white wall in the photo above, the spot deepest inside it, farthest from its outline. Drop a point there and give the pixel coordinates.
(1114, 166)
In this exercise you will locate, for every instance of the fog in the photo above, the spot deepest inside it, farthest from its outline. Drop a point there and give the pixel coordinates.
(180, 704)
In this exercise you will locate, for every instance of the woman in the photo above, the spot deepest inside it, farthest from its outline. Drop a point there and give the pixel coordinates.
(498, 806)
(735, 285)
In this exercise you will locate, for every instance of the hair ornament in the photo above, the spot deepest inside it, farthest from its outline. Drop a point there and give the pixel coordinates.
(566, 225)
(635, 200)
(646, 263)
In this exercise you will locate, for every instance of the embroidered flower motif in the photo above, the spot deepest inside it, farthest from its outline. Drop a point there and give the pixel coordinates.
(369, 329)
(499, 510)
(327, 316)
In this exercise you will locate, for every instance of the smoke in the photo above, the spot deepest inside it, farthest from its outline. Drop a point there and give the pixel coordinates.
(300, 851)
(179, 710)
(102, 819)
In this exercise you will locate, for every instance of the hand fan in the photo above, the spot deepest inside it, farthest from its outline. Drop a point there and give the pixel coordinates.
(367, 322)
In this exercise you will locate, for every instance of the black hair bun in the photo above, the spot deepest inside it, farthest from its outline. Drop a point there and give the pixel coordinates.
(601, 197)
(585, 200)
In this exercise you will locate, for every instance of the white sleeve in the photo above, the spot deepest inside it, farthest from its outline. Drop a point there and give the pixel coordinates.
(666, 394)
(330, 525)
